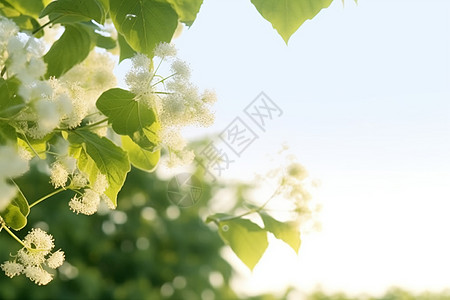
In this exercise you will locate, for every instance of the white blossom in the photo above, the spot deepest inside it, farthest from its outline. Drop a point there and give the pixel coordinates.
(58, 174)
(165, 50)
(7, 29)
(209, 96)
(94, 76)
(38, 275)
(101, 184)
(31, 257)
(56, 259)
(79, 181)
(11, 268)
(7, 194)
(181, 68)
(140, 76)
(11, 164)
(39, 239)
(87, 204)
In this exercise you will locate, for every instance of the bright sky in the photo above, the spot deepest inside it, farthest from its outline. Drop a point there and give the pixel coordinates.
(365, 93)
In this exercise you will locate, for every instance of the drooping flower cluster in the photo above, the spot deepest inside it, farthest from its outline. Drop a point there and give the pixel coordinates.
(177, 102)
(87, 203)
(88, 195)
(35, 258)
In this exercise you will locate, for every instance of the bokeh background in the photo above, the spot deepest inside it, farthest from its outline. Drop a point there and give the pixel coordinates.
(365, 94)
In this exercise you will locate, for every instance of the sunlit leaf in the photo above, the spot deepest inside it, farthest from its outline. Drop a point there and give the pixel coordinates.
(125, 49)
(286, 16)
(287, 232)
(8, 10)
(126, 114)
(129, 116)
(27, 7)
(98, 154)
(15, 214)
(105, 42)
(187, 10)
(71, 48)
(35, 147)
(247, 240)
(144, 24)
(28, 23)
(139, 157)
(65, 11)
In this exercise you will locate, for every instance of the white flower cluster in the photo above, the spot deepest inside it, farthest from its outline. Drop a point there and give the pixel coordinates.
(294, 191)
(88, 194)
(49, 103)
(33, 259)
(21, 56)
(176, 100)
(87, 203)
(93, 76)
(12, 164)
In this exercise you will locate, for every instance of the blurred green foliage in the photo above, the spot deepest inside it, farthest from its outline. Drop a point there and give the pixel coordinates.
(134, 252)
(146, 249)
(392, 294)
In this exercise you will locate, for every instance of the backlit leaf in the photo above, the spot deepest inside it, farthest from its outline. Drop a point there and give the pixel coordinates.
(98, 154)
(286, 16)
(15, 214)
(71, 48)
(247, 240)
(287, 232)
(139, 157)
(144, 24)
(65, 11)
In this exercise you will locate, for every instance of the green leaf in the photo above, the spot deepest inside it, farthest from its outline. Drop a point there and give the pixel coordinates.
(127, 115)
(246, 239)
(66, 11)
(125, 49)
(38, 147)
(219, 217)
(187, 10)
(28, 23)
(287, 232)
(98, 154)
(24, 21)
(27, 7)
(10, 102)
(144, 24)
(343, 2)
(71, 48)
(139, 157)
(105, 42)
(7, 134)
(15, 214)
(286, 16)
(148, 138)
(8, 10)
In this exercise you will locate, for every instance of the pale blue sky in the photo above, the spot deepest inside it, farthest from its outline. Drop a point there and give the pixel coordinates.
(365, 92)
(350, 79)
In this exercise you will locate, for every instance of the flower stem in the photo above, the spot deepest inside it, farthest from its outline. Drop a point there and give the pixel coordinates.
(45, 25)
(12, 234)
(94, 124)
(46, 197)
(255, 210)
(164, 79)
(29, 144)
